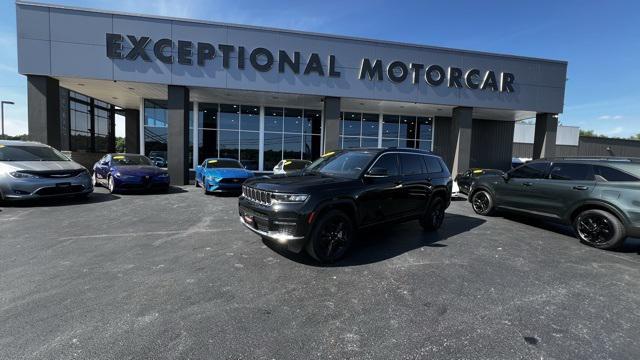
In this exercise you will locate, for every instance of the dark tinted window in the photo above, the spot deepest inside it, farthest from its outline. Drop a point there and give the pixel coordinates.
(389, 162)
(411, 164)
(530, 171)
(605, 173)
(562, 171)
(295, 164)
(433, 164)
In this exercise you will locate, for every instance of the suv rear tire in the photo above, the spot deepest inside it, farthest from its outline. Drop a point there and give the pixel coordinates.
(600, 229)
(331, 237)
(434, 216)
(482, 203)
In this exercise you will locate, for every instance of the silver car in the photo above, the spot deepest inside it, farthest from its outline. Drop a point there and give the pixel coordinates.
(30, 170)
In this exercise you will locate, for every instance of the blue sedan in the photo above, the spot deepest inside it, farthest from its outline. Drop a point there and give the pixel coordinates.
(129, 172)
(219, 175)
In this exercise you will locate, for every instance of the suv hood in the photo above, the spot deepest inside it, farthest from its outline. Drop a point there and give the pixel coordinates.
(39, 165)
(298, 182)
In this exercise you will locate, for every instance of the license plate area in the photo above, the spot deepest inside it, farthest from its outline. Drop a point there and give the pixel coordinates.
(63, 185)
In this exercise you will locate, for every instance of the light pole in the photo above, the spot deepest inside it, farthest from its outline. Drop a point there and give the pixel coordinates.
(2, 112)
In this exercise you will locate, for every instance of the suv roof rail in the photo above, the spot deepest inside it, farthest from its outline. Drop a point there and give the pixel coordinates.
(596, 158)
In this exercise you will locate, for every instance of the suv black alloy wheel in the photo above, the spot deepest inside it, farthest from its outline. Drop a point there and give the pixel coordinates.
(482, 203)
(331, 237)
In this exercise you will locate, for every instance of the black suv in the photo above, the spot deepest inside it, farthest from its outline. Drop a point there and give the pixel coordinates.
(600, 197)
(320, 208)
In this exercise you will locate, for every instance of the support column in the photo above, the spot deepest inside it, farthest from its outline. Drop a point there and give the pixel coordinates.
(178, 134)
(544, 141)
(43, 103)
(132, 131)
(461, 124)
(331, 126)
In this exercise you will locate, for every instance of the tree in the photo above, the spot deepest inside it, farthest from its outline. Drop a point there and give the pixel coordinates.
(588, 133)
(22, 137)
(120, 144)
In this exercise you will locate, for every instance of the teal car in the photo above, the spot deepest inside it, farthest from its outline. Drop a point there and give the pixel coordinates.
(221, 175)
(597, 196)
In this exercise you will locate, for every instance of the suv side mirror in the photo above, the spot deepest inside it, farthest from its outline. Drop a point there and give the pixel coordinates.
(377, 172)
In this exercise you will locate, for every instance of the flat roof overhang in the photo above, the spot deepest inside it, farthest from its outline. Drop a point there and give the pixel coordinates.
(127, 95)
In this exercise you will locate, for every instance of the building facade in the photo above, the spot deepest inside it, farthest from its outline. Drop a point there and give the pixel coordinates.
(194, 89)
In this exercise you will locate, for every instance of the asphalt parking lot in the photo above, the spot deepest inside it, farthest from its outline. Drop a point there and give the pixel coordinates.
(165, 276)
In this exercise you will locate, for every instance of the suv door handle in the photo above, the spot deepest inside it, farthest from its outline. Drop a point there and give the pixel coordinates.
(527, 184)
(580, 187)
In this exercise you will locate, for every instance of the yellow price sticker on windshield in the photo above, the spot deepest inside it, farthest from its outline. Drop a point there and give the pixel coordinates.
(477, 171)
(288, 162)
(329, 154)
(119, 157)
(1, 146)
(212, 161)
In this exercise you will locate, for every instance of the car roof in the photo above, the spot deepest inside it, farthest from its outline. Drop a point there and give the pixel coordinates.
(592, 159)
(124, 154)
(21, 143)
(217, 158)
(391, 149)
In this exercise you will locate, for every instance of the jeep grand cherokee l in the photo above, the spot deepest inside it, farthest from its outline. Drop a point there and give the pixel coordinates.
(320, 208)
(598, 196)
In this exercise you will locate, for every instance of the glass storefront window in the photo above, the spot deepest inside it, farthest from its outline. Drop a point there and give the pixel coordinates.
(351, 123)
(370, 125)
(80, 126)
(101, 129)
(229, 117)
(250, 118)
(273, 119)
(208, 117)
(292, 120)
(272, 149)
(155, 129)
(312, 121)
(249, 149)
(390, 126)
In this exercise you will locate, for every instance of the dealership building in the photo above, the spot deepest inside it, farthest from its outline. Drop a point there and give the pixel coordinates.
(192, 89)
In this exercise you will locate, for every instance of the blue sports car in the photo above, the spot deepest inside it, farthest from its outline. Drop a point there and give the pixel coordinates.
(129, 172)
(218, 175)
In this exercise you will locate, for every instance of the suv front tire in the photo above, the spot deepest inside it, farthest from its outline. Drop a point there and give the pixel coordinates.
(599, 228)
(331, 237)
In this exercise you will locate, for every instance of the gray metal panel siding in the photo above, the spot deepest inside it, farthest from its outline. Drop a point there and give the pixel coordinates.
(442, 139)
(523, 150)
(592, 146)
(491, 144)
(54, 50)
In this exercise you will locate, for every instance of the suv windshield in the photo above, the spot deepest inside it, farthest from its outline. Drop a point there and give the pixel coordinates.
(124, 160)
(347, 164)
(30, 153)
(226, 164)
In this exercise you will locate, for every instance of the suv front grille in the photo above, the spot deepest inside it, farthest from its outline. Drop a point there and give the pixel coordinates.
(258, 196)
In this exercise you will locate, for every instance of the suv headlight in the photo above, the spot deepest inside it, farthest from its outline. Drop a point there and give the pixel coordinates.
(289, 198)
(21, 175)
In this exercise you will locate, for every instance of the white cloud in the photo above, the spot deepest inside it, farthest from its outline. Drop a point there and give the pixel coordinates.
(615, 131)
(610, 117)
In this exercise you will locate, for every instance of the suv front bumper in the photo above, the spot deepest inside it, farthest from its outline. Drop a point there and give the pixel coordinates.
(286, 228)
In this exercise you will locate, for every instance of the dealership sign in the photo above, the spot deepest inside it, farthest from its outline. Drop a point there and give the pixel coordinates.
(263, 60)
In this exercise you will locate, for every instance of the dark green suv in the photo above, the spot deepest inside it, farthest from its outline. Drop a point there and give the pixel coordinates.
(600, 197)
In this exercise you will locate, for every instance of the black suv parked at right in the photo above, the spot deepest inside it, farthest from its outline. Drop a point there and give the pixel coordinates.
(320, 208)
(600, 197)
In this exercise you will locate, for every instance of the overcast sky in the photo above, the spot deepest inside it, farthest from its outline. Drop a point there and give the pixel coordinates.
(599, 39)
